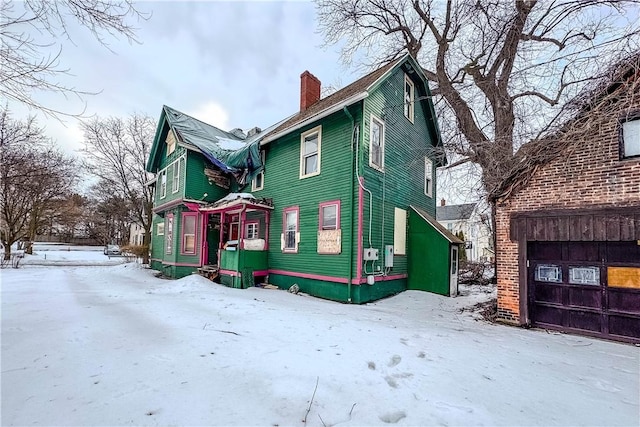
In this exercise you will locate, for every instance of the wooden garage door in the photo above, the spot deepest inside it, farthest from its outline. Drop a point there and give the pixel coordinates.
(591, 288)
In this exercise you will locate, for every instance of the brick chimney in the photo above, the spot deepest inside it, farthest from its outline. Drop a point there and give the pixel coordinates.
(443, 202)
(309, 90)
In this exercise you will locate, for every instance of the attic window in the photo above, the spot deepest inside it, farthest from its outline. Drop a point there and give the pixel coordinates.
(630, 136)
(171, 142)
(409, 100)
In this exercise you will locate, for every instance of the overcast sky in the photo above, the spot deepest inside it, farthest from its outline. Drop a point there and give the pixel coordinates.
(231, 64)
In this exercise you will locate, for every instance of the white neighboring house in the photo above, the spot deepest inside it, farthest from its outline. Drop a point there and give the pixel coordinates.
(136, 234)
(474, 224)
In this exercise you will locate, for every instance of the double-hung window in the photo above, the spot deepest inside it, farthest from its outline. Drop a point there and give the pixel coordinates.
(409, 100)
(176, 176)
(251, 230)
(376, 143)
(310, 146)
(163, 184)
(290, 235)
(189, 233)
(428, 177)
(329, 215)
(630, 137)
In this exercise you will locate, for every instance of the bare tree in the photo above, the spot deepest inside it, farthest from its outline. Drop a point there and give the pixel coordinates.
(116, 152)
(33, 175)
(30, 65)
(503, 69)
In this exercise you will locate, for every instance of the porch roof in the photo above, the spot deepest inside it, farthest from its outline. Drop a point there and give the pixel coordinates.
(236, 202)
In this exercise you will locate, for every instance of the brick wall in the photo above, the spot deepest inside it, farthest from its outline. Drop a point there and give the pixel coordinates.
(588, 174)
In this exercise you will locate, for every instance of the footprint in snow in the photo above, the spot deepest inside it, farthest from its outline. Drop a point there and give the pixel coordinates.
(371, 365)
(392, 417)
(394, 361)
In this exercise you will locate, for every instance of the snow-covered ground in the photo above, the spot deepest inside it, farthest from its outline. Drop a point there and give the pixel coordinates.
(114, 345)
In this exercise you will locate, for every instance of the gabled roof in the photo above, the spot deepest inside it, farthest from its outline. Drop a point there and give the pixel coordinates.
(454, 212)
(349, 95)
(435, 224)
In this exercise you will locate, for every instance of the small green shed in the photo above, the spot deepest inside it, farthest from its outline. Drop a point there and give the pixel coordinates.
(432, 256)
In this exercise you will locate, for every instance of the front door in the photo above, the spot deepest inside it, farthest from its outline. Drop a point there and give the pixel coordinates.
(453, 276)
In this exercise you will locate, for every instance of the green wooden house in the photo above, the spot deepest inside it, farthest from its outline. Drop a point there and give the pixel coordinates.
(321, 199)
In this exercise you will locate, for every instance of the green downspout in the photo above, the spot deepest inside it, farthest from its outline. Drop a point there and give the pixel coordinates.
(346, 111)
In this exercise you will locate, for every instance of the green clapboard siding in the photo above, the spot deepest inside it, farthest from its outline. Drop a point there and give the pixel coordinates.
(282, 183)
(401, 183)
(319, 288)
(198, 181)
(429, 261)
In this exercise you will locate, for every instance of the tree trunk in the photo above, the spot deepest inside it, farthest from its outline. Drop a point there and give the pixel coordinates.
(146, 244)
(7, 252)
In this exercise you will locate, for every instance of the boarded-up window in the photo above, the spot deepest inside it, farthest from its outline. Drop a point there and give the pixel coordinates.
(160, 229)
(171, 142)
(400, 231)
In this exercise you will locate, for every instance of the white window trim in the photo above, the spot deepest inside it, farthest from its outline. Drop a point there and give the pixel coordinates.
(318, 130)
(412, 102)
(428, 190)
(382, 142)
(175, 182)
(163, 184)
(255, 226)
(254, 187)
(160, 229)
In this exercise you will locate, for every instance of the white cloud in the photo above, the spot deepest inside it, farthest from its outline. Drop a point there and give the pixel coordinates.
(213, 114)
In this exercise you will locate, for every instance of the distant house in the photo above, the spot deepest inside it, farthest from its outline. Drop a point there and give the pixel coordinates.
(136, 234)
(473, 224)
(568, 226)
(321, 199)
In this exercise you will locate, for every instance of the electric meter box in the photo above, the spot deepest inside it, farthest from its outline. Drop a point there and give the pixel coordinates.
(388, 256)
(370, 254)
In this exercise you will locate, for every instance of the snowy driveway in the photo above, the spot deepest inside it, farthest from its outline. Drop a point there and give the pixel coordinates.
(113, 345)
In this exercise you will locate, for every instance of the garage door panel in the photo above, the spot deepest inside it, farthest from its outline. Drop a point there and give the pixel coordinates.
(580, 297)
(548, 293)
(588, 321)
(547, 314)
(625, 326)
(583, 251)
(546, 251)
(620, 300)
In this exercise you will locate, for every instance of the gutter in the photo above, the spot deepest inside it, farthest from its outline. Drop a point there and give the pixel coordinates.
(324, 113)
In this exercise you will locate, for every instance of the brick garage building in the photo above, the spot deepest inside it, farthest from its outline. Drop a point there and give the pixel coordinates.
(568, 220)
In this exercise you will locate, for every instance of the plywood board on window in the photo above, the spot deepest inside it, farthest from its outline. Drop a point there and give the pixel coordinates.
(624, 277)
(329, 241)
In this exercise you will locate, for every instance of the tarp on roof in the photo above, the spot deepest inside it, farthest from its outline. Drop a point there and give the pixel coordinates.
(225, 150)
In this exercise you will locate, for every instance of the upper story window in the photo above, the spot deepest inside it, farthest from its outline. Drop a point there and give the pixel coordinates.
(409, 100)
(258, 182)
(428, 177)
(310, 145)
(630, 137)
(171, 142)
(176, 177)
(329, 215)
(163, 184)
(376, 143)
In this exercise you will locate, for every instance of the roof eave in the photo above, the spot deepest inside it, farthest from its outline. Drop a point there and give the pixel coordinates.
(320, 115)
